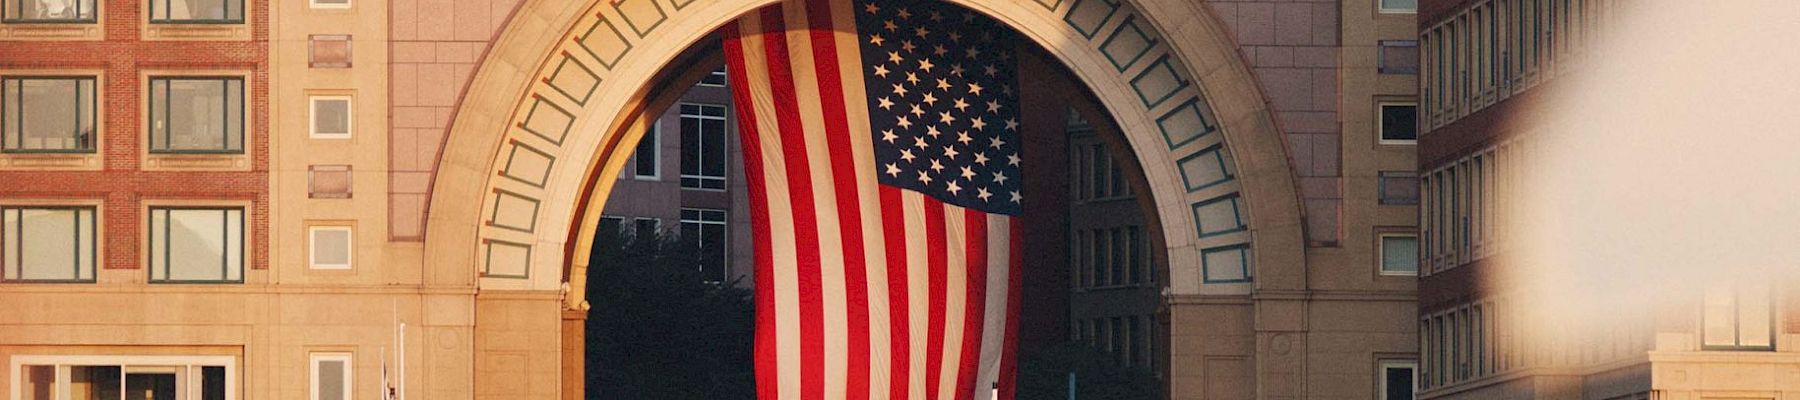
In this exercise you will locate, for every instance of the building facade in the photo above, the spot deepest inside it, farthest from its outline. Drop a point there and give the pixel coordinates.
(1490, 68)
(307, 199)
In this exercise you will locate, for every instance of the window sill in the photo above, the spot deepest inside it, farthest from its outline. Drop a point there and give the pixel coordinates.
(54, 31)
(51, 161)
(196, 31)
(197, 162)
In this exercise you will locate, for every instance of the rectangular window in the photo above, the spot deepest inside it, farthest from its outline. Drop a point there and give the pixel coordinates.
(1136, 254)
(331, 376)
(646, 228)
(1399, 123)
(706, 228)
(1118, 247)
(47, 114)
(331, 247)
(611, 230)
(330, 3)
(1399, 56)
(647, 157)
(48, 11)
(1739, 317)
(1136, 348)
(714, 79)
(703, 146)
(104, 377)
(1398, 379)
(47, 244)
(197, 115)
(330, 117)
(1399, 6)
(196, 245)
(196, 11)
(1399, 254)
(1098, 257)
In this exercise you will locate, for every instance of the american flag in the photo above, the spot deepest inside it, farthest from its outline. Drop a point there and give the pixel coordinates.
(881, 147)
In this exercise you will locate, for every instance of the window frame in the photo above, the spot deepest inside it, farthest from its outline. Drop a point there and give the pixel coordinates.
(1381, 49)
(312, 116)
(94, 248)
(1381, 125)
(150, 235)
(1381, 268)
(724, 224)
(312, 247)
(724, 119)
(193, 363)
(93, 100)
(721, 72)
(1383, 366)
(1737, 324)
(243, 108)
(316, 5)
(93, 15)
(315, 358)
(242, 15)
(1382, 8)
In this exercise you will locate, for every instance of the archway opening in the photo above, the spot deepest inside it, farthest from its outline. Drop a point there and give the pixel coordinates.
(672, 253)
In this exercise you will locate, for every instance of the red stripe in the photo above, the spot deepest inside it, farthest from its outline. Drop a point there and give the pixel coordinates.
(766, 373)
(899, 335)
(975, 223)
(1015, 269)
(937, 259)
(849, 208)
(800, 197)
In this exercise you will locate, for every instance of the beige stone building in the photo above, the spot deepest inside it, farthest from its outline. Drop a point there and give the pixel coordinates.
(415, 185)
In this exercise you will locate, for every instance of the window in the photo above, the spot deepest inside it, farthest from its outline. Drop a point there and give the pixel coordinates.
(648, 157)
(1399, 188)
(1399, 6)
(1399, 56)
(331, 247)
(1398, 379)
(331, 376)
(197, 115)
(331, 117)
(706, 228)
(611, 230)
(647, 227)
(101, 377)
(196, 245)
(703, 146)
(1399, 123)
(47, 244)
(48, 114)
(1399, 254)
(330, 3)
(48, 11)
(714, 79)
(196, 11)
(1136, 254)
(1739, 317)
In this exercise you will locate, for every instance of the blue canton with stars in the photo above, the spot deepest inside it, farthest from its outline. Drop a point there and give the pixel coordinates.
(942, 102)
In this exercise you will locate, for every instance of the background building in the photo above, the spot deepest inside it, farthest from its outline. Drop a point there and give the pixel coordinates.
(1490, 69)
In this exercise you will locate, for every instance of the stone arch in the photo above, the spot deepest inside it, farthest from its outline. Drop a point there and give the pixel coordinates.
(545, 112)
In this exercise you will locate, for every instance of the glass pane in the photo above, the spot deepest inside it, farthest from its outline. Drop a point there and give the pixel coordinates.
(37, 382)
(234, 114)
(47, 244)
(1137, 255)
(1400, 254)
(1755, 318)
(150, 387)
(8, 246)
(713, 243)
(196, 245)
(646, 155)
(331, 116)
(212, 383)
(1399, 383)
(1399, 122)
(331, 247)
(194, 116)
(51, 9)
(1720, 326)
(200, 9)
(94, 382)
(49, 114)
(1399, 5)
(712, 148)
(690, 146)
(331, 380)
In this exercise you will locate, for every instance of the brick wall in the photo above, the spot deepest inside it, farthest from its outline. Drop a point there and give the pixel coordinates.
(121, 183)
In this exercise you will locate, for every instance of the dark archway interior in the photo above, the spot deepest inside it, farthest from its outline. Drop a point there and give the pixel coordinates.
(670, 279)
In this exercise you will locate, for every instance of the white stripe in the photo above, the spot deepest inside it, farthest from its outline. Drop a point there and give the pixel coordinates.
(862, 152)
(919, 289)
(956, 297)
(781, 218)
(993, 335)
(835, 325)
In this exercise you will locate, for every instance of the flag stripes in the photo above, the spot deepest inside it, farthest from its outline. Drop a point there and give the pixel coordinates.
(863, 290)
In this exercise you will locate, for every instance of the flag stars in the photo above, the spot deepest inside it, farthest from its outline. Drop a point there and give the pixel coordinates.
(1012, 159)
(876, 39)
(881, 70)
(925, 65)
(893, 170)
(983, 194)
(1012, 124)
(900, 90)
(904, 122)
(894, 57)
(912, 78)
(932, 131)
(974, 89)
(871, 8)
(995, 142)
(956, 36)
(890, 26)
(936, 166)
(936, 16)
(1000, 178)
(921, 31)
(919, 141)
(888, 135)
(990, 70)
(945, 117)
(916, 111)
(1015, 196)
(960, 104)
(993, 106)
(904, 14)
(908, 46)
(929, 99)
(906, 154)
(944, 85)
(956, 69)
(981, 158)
(950, 152)
(971, 53)
(885, 104)
(967, 173)
(953, 188)
(979, 124)
(924, 178)
(938, 50)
